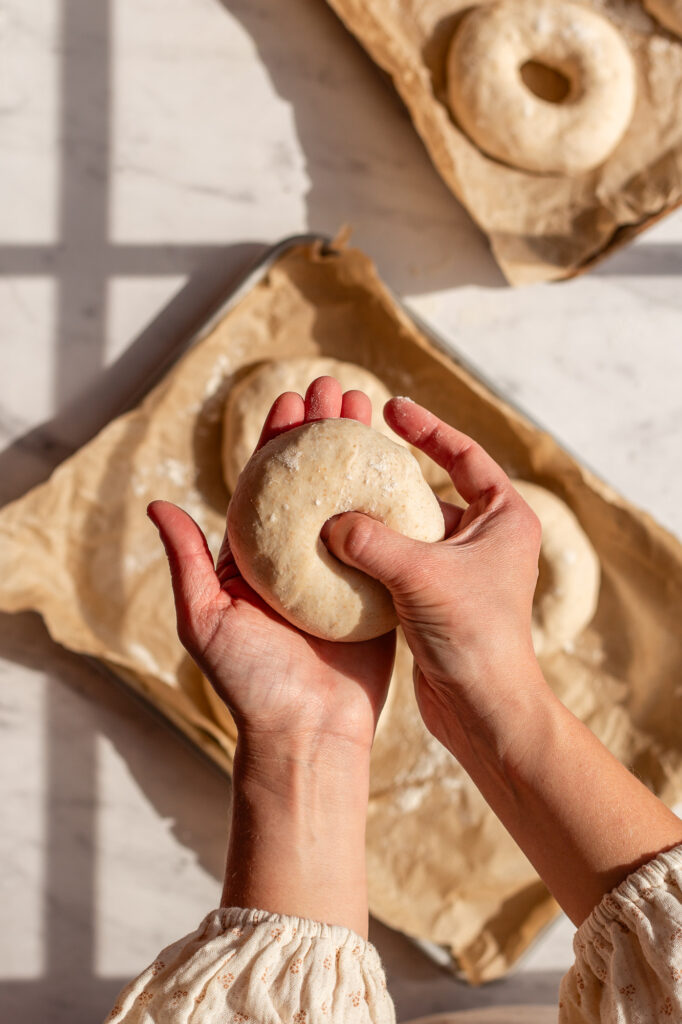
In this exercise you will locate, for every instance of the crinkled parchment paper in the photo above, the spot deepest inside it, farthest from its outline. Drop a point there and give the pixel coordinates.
(80, 550)
(541, 227)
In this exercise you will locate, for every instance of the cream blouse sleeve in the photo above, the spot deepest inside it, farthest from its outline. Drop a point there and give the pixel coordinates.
(243, 966)
(628, 964)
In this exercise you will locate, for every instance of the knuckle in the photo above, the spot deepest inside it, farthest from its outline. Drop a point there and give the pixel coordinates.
(532, 525)
(459, 454)
(521, 508)
(522, 520)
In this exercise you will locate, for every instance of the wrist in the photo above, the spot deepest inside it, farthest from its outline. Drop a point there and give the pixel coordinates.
(303, 769)
(491, 706)
(297, 843)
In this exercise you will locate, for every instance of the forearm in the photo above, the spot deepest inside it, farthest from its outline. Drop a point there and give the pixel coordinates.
(297, 841)
(582, 819)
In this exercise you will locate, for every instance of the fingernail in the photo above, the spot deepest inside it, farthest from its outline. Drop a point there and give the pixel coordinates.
(327, 526)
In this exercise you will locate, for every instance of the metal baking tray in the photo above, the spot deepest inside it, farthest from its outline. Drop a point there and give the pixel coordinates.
(252, 275)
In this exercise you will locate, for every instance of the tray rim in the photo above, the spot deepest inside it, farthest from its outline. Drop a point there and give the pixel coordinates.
(255, 271)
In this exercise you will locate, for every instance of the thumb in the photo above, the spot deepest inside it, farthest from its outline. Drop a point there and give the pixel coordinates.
(195, 583)
(368, 545)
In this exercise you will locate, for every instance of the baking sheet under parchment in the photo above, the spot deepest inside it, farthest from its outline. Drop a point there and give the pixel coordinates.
(80, 550)
(540, 227)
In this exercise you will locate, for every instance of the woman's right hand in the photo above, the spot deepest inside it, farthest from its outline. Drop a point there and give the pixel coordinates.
(464, 603)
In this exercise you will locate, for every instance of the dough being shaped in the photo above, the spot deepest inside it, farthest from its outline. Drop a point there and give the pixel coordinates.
(284, 496)
(497, 43)
(568, 584)
(668, 12)
(249, 401)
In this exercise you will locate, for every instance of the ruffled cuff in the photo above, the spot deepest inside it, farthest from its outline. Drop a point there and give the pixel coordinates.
(629, 950)
(244, 965)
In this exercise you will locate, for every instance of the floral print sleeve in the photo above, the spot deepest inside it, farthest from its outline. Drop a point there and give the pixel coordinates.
(253, 967)
(628, 963)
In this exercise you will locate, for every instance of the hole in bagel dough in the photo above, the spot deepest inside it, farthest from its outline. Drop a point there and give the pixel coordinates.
(546, 82)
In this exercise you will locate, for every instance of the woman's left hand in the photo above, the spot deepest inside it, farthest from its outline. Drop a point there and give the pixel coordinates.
(282, 686)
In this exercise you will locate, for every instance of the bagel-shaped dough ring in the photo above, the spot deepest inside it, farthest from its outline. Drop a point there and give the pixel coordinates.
(507, 120)
(249, 401)
(668, 12)
(568, 583)
(284, 496)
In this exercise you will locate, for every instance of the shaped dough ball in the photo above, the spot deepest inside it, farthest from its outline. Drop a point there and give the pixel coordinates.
(493, 49)
(668, 12)
(249, 401)
(568, 584)
(287, 492)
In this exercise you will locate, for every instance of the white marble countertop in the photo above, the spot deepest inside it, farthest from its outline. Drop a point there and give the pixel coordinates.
(150, 148)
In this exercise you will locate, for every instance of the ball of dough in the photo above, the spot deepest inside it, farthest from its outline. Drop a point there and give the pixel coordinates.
(505, 118)
(568, 584)
(668, 12)
(249, 401)
(284, 496)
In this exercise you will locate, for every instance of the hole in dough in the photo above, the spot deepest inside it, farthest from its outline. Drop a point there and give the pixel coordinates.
(546, 82)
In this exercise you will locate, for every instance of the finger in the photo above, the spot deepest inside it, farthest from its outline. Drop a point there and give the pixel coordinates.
(473, 472)
(327, 526)
(451, 516)
(195, 584)
(355, 405)
(226, 567)
(323, 399)
(225, 556)
(286, 412)
(368, 545)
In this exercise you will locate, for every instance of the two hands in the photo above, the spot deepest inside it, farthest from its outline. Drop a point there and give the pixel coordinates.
(288, 689)
(306, 709)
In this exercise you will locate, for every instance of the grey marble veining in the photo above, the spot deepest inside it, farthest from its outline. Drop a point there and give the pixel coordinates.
(150, 149)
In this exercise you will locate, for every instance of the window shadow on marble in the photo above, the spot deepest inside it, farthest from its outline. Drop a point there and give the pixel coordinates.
(86, 396)
(365, 161)
(82, 706)
(96, 394)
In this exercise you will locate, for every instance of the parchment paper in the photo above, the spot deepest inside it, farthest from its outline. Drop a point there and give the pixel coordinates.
(80, 550)
(541, 227)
